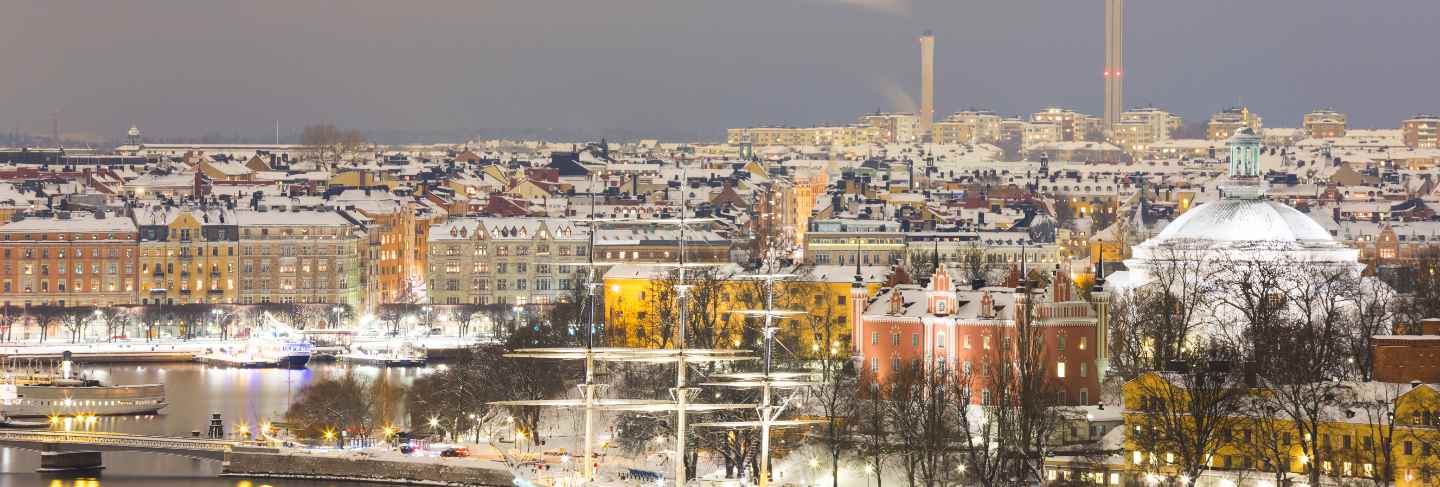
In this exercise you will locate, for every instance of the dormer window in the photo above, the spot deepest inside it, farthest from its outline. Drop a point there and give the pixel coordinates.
(940, 307)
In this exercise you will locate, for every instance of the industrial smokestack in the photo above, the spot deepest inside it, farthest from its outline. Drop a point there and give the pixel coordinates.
(927, 83)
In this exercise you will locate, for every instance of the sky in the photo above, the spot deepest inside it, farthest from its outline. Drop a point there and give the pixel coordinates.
(686, 68)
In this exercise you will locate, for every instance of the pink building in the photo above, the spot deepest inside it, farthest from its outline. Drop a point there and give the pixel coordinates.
(968, 329)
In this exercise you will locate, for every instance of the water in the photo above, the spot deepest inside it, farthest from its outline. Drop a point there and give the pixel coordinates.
(194, 392)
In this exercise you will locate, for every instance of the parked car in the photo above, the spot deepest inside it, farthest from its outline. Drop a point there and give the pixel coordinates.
(456, 452)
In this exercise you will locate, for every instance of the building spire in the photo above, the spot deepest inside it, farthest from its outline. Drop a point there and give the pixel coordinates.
(859, 276)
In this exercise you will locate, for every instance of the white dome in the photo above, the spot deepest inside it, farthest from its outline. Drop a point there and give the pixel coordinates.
(1239, 221)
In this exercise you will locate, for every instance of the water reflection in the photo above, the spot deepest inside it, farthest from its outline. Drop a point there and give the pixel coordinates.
(252, 397)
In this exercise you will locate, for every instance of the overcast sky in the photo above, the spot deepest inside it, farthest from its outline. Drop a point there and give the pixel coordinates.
(187, 68)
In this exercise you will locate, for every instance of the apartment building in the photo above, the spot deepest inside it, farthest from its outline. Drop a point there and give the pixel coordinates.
(299, 256)
(516, 261)
(187, 254)
(1420, 131)
(1225, 123)
(892, 128)
(1073, 125)
(1324, 124)
(842, 241)
(1140, 129)
(68, 259)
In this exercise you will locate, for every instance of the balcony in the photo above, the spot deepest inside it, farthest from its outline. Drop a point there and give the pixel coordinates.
(215, 292)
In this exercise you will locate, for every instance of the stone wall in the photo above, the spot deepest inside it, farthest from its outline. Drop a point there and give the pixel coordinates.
(448, 471)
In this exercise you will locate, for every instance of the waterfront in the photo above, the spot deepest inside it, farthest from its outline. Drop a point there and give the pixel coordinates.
(194, 392)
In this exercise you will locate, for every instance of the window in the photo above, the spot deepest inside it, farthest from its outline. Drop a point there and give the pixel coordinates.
(1084, 369)
(874, 338)
(940, 306)
(1081, 345)
(1060, 370)
(874, 365)
(940, 340)
(915, 340)
(966, 341)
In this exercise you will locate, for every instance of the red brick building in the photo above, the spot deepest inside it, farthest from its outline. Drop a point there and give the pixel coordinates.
(966, 330)
(1405, 358)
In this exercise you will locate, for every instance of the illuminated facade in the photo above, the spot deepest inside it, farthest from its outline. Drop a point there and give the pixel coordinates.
(307, 257)
(187, 254)
(68, 260)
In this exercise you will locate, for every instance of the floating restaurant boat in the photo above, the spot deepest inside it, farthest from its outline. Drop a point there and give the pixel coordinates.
(64, 393)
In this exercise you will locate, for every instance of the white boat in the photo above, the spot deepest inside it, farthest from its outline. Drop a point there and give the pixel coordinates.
(391, 354)
(64, 394)
(277, 346)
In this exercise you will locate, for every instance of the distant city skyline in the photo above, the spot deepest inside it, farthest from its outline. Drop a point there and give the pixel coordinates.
(688, 70)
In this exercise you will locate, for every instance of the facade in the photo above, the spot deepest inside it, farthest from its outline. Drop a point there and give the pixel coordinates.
(969, 330)
(68, 259)
(299, 256)
(401, 228)
(1226, 123)
(837, 135)
(826, 293)
(1324, 124)
(1397, 449)
(515, 261)
(1073, 125)
(968, 127)
(1041, 133)
(1421, 131)
(187, 254)
(659, 245)
(839, 241)
(1138, 130)
(901, 128)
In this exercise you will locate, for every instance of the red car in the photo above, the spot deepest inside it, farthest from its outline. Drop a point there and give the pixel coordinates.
(457, 452)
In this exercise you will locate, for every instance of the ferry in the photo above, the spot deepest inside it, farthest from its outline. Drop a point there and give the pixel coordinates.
(40, 394)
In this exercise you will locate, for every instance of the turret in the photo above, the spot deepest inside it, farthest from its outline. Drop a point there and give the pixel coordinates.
(1101, 298)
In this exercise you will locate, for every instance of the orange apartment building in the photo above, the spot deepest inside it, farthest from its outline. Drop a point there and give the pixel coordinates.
(68, 259)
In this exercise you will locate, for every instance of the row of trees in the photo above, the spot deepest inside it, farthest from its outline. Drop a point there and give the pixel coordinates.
(153, 321)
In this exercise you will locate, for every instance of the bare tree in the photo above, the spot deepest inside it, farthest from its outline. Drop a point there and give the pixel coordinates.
(329, 145)
(1374, 313)
(9, 315)
(918, 410)
(76, 319)
(1189, 414)
(871, 425)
